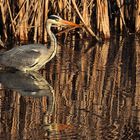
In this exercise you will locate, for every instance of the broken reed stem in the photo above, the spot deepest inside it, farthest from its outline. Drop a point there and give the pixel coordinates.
(86, 26)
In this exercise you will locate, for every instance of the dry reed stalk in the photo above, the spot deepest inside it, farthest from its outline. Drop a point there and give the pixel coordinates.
(36, 24)
(31, 14)
(121, 9)
(103, 18)
(85, 13)
(25, 17)
(41, 10)
(23, 25)
(85, 24)
(71, 16)
(40, 20)
(119, 3)
(3, 7)
(65, 9)
(12, 21)
(137, 16)
(69, 10)
(91, 6)
(20, 11)
(35, 30)
(46, 10)
(60, 5)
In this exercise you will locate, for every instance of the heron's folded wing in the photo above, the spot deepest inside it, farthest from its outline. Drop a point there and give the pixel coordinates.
(21, 57)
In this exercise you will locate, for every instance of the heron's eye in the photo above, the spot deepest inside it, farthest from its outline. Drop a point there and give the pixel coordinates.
(57, 19)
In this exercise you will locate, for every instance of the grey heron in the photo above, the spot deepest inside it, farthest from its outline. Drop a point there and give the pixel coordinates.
(32, 57)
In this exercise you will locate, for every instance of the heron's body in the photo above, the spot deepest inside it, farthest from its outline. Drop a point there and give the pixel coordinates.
(33, 56)
(28, 57)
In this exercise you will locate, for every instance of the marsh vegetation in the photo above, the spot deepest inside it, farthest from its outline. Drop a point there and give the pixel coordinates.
(25, 20)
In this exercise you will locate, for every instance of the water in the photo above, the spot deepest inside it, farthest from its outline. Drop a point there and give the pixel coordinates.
(88, 92)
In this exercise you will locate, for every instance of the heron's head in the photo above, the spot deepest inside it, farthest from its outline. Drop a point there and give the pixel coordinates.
(58, 21)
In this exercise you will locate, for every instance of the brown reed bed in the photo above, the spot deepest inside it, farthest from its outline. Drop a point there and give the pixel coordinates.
(25, 19)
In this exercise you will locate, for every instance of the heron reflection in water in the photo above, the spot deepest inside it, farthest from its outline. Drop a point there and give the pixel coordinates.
(28, 84)
(33, 56)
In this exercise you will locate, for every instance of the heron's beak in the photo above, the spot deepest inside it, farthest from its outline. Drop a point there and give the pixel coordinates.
(68, 23)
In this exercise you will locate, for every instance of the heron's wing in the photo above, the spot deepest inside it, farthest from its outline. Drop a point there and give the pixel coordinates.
(21, 56)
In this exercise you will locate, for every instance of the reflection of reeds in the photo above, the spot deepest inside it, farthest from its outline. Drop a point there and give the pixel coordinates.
(103, 85)
(25, 19)
(94, 94)
(137, 92)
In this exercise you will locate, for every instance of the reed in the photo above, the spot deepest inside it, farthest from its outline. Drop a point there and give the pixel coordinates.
(25, 19)
(137, 17)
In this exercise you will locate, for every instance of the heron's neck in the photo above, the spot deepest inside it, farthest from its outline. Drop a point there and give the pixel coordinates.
(53, 45)
(52, 37)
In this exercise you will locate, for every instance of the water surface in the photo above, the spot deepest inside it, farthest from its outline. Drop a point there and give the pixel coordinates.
(88, 91)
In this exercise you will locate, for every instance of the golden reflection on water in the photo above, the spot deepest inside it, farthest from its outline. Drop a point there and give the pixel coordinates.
(88, 94)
